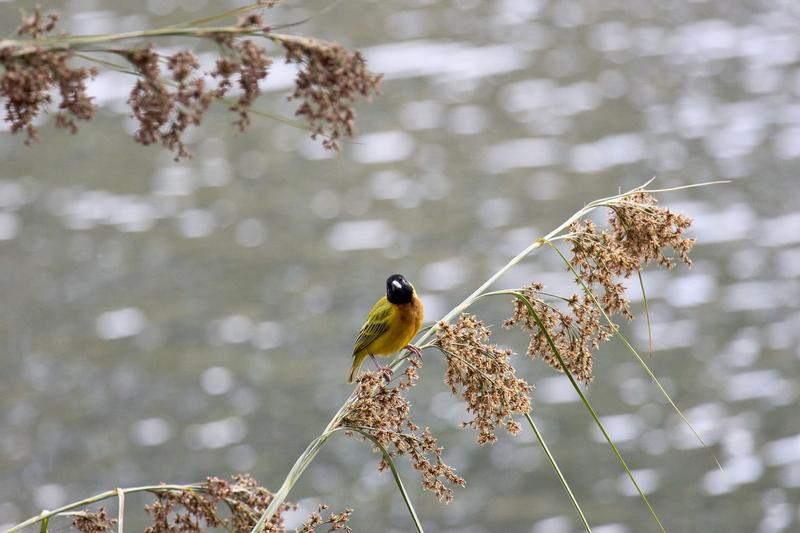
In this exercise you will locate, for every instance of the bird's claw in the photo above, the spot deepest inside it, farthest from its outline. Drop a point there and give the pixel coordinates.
(384, 371)
(414, 350)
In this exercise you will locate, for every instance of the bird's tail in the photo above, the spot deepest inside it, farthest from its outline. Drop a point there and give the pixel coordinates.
(354, 370)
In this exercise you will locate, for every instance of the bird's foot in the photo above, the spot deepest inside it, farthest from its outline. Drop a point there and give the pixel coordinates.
(385, 371)
(415, 350)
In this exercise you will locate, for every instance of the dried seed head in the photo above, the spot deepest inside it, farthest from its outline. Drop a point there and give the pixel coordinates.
(195, 510)
(484, 375)
(639, 233)
(329, 80)
(381, 411)
(98, 521)
(575, 327)
(150, 100)
(335, 521)
(28, 77)
(644, 230)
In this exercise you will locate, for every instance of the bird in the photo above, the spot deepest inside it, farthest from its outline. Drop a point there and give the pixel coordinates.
(391, 324)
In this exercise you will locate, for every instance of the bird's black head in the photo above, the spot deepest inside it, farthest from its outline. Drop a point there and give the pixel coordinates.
(398, 289)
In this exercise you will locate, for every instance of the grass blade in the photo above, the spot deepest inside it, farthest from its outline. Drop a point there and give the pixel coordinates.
(120, 511)
(225, 14)
(646, 313)
(583, 398)
(633, 350)
(396, 476)
(558, 471)
(64, 509)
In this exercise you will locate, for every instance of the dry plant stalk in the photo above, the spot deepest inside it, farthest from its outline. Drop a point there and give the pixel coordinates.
(89, 521)
(381, 411)
(217, 503)
(172, 92)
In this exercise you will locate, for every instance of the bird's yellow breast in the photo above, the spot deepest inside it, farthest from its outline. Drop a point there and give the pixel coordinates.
(404, 322)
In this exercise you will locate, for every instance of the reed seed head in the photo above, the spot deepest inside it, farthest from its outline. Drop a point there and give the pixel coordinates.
(28, 80)
(329, 80)
(89, 521)
(380, 410)
(482, 374)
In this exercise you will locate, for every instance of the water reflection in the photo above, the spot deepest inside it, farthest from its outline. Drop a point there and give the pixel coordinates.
(171, 321)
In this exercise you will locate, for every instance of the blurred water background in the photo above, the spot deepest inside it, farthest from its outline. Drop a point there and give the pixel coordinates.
(168, 321)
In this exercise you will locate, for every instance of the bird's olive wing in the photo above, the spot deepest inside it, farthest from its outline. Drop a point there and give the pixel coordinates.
(376, 325)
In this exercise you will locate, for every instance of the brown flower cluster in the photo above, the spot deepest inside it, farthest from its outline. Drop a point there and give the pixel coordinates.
(381, 411)
(186, 511)
(248, 60)
(218, 504)
(89, 521)
(164, 114)
(31, 73)
(484, 374)
(335, 521)
(576, 329)
(329, 80)
(639, 233)
(644, 230)
(172, 93)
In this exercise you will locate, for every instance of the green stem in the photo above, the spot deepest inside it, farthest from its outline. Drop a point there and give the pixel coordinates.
(30, 46)
(646, 312)
(46, 515)
(585, 401)
(561, 477)
(120, 511)
(396, 475)
(633, 350)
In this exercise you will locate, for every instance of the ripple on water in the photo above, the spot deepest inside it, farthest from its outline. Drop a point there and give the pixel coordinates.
(607, 152)
(361, 235)
(120, 323)
(691, 290)
(760, 384)
(555, 389)
(216, 380)
(9, 226)
(648, 479)
(521, 153)
(382, 147)
(785, 451)
(216, 434)
(445, 275)
(760, 295)
(739, 470)
(449, 61)
(150, 431)
(783, 230)
(621, 428)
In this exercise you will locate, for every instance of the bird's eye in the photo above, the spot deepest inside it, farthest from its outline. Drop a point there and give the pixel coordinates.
(397, 285)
